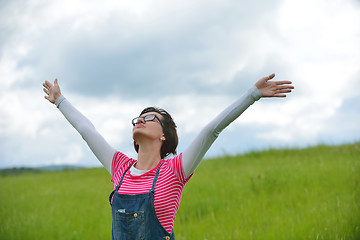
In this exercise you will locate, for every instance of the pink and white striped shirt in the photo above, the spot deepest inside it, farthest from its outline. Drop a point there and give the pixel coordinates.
(168, 189)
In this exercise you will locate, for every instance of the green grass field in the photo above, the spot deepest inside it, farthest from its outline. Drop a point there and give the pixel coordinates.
(311, 193)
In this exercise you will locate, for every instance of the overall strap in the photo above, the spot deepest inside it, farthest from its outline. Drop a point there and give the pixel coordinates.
(118, 186)
(155, 178)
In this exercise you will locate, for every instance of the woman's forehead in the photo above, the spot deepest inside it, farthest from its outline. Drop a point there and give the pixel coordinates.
(148, 113)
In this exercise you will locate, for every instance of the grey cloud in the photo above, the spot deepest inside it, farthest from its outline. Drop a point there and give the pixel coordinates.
(147, 69)
(153, 62)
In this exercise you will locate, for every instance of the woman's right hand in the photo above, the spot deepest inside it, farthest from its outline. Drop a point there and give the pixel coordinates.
(52, 91)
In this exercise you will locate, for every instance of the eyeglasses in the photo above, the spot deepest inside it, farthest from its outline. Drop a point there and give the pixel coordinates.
(150, 117)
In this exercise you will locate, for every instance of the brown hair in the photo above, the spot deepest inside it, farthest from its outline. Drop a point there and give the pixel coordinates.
(169, 129)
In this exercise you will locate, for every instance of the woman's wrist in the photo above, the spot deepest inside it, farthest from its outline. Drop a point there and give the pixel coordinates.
(59, 100)
(255, 93)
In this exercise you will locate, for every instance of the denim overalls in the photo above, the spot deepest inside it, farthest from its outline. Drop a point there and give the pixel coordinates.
(134, 217)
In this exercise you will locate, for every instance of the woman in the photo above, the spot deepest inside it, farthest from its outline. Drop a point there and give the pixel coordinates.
(147, 191)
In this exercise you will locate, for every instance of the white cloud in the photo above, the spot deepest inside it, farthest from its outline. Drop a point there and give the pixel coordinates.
(9, 74)
(73, 155)
(297, 120)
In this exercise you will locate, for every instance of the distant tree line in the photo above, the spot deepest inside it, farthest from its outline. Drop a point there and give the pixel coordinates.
(18, 171)
(27, 170)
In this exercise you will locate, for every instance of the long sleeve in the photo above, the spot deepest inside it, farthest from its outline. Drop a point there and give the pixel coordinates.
(98, 145)
(195, 152)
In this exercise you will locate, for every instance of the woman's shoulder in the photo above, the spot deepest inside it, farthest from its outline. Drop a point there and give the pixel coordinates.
(120, 160)
(175, 164)
(173, 160)
(120, 156)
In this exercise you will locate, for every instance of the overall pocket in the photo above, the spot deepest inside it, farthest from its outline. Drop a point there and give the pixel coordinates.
(129, 225)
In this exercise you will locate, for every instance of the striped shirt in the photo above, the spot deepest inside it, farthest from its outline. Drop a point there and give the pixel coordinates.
(168, 189)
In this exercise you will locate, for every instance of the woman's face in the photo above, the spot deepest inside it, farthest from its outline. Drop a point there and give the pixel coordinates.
(148, 127)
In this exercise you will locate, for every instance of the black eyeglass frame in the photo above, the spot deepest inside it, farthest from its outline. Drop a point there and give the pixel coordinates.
(152, 118)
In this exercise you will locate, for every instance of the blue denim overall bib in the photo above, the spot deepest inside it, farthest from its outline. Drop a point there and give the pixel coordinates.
(134, 217)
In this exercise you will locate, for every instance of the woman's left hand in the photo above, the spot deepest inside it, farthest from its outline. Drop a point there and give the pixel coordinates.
(52, 91)
(273, 88)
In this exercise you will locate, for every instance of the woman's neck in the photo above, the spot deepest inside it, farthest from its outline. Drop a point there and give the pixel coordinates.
(148, 158)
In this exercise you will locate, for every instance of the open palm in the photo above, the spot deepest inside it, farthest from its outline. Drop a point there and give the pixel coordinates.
(273, 88)
(52, 91)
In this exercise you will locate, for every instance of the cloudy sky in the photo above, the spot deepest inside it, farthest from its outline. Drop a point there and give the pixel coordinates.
(192, 57)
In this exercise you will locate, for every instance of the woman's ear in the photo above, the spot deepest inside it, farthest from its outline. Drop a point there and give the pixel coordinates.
(162, 138)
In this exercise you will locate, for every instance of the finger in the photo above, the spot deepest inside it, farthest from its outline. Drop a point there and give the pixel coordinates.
(48, 84)
(282, 82)
(285, 87)
(46, 91)
(56, 81)
(284, 91)
(271, 76)
(280, 92)
(280, 95)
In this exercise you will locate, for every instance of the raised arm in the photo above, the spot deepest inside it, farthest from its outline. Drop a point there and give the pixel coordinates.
(98, 145)
(195, 152)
